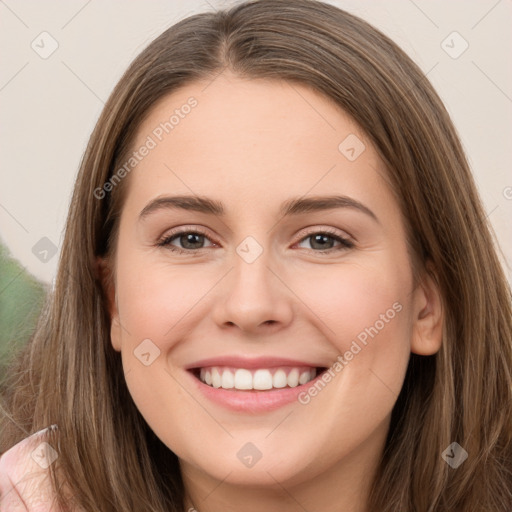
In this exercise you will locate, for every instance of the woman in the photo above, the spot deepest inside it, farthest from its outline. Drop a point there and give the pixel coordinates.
(277, 288)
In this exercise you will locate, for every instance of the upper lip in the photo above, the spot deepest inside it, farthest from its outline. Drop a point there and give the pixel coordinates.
(252, 362)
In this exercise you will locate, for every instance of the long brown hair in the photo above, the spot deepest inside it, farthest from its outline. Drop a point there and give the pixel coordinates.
(70, 375)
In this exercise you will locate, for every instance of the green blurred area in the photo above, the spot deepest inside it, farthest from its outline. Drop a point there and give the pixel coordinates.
(21, 299)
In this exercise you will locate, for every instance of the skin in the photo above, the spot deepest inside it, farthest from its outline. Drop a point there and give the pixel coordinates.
(253, 144)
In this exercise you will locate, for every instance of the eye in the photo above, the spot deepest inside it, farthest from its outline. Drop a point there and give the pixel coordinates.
(190, 240)
(323, 241)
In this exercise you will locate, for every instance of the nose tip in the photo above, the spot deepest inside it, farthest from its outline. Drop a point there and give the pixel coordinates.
(248, 327)
(253, 298)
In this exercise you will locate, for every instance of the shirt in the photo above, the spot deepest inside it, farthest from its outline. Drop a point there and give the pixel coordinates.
(25, 484)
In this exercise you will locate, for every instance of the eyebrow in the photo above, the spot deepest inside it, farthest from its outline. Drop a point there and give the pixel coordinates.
(294, 206)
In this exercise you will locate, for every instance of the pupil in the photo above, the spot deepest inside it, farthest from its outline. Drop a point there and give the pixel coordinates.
(191, 238)
(321, 239)
(195, 239)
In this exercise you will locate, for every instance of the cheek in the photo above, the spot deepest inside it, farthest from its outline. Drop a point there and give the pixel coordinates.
(356, 302)
(154, 304)
(365, 314)
(155, 298)
(158, 306)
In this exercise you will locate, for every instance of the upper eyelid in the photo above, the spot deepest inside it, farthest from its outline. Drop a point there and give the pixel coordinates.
(310, 231)
(180, 231)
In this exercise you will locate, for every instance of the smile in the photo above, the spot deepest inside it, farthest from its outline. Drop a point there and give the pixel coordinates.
(261, 379)
(252, 385)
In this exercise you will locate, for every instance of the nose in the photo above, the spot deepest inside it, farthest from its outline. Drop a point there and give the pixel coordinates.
(254, 297)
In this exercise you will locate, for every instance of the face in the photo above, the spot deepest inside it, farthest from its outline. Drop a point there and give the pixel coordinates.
(286, 260)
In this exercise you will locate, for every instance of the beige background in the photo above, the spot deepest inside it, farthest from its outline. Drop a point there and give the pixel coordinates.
(48, 106)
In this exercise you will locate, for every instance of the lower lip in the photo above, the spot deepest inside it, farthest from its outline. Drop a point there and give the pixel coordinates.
(252, 401)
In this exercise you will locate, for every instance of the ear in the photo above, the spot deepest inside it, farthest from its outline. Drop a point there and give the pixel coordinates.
(428, 315)
(106, 278)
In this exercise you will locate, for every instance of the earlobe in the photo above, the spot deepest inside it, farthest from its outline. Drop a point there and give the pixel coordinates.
(104, 274)
(115, 334)
(427, 332)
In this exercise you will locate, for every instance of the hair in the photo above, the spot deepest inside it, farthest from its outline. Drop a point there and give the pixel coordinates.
(70, 375)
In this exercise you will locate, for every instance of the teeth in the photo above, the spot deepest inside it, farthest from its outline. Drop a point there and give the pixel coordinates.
(243, 379)
(261, 379)
(280, 381)
(304, 377)
(216, 378)
(228, 380)
(293, 378)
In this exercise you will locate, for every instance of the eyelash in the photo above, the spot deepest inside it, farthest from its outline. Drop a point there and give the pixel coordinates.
(166, 241)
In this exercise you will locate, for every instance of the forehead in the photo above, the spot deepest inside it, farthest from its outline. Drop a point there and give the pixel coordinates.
(262, 138)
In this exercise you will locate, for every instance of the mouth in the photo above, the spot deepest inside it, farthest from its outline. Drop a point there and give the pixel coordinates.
(256, 379)
(252, 385)
(256, 390)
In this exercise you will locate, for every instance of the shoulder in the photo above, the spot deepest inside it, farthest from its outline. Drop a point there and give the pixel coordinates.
(25, 484)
